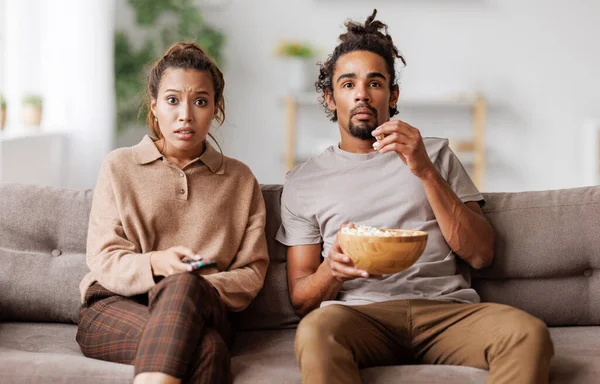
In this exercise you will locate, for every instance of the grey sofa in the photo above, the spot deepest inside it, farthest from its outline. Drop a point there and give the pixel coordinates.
(547, 260)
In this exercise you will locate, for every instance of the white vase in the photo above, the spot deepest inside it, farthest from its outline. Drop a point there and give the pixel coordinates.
(301, 74)
(32, 114)
(2, 118)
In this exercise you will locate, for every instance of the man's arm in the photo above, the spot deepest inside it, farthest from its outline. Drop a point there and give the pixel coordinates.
(463, 226)
(311, 281)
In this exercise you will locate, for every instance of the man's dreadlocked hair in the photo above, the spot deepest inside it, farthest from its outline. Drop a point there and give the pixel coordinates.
(359, 37)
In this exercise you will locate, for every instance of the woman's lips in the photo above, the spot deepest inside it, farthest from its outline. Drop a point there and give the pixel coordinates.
(184, 134)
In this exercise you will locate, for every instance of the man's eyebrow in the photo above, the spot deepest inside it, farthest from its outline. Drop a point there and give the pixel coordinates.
(346, 76)
(372, 75)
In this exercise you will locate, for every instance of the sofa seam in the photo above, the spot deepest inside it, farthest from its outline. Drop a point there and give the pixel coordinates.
(539, 206)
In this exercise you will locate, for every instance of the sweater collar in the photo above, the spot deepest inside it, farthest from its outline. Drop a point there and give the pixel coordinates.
(146, 152)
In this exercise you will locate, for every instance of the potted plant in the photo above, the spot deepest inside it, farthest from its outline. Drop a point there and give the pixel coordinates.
(298, 67)
(2, 112)
(32, 110)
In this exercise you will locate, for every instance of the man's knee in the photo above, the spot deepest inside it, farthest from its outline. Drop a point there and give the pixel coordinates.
(538, 335)
(522, 327)
(318, 327)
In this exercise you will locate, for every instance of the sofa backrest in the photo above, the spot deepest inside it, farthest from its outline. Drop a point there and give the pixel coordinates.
(42, 252)
(547, 256)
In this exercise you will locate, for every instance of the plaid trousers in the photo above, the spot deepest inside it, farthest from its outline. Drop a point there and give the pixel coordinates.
(180, 328)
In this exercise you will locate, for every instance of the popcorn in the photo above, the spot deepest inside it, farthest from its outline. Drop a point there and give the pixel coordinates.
(365, 230)
(377, 144)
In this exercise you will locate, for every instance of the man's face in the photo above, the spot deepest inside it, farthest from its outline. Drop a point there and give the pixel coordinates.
(361, 93)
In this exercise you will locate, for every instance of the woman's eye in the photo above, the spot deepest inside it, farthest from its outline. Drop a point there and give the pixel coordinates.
(171, 100)
(201, 102)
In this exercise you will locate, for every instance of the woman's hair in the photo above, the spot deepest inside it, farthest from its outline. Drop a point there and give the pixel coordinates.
(373, 37)
(184, 56)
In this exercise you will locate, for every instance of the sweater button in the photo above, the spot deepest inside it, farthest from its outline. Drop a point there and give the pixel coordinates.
(587, 273)
(181, 174)
(182, 191)
(56, 252)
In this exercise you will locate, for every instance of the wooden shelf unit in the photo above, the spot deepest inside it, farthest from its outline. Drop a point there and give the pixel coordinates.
(475, 145)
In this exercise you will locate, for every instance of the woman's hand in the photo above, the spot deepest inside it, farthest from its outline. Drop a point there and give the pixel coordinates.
(169, 262)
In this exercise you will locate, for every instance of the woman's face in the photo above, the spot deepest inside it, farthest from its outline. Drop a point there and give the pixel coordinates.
(185, 108)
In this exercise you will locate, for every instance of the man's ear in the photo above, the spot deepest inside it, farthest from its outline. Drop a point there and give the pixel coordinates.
(330, 100)
(394, 95)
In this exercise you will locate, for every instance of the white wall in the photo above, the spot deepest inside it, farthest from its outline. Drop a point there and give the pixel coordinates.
(63, 51)
(537, 61)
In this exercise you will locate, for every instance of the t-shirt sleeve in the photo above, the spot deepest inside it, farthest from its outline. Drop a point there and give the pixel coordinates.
(457, 177)
(299, 226)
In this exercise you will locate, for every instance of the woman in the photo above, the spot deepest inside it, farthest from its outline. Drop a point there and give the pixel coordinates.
(157, 206)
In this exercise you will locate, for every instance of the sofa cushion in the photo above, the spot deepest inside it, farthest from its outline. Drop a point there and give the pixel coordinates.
(547, 254)
(48, 353)
(42, 251)
(272, 308)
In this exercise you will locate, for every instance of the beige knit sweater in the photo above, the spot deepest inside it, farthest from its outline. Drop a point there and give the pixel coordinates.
(143, 203)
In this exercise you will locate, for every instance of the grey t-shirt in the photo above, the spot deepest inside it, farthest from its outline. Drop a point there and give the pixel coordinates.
(378, 190)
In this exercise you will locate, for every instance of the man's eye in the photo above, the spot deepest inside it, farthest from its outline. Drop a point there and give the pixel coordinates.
(375, 84)
(171, 100)
(347, 85)
(201, 102)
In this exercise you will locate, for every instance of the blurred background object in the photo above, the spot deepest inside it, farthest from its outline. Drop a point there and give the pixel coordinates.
(534, 66)
(32, 110)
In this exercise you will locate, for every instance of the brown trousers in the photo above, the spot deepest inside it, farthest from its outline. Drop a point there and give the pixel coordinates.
(179, 328)
(334, 342)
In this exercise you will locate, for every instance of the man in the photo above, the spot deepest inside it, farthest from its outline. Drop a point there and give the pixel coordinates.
(427, 313)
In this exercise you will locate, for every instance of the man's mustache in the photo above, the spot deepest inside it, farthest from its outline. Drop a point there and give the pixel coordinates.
(363, 106)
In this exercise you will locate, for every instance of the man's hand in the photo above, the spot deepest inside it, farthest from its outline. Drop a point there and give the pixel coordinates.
(169, 262)
(407, 142)
(342, 268)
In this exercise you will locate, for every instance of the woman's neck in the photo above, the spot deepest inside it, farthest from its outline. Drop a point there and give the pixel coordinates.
(177, 157)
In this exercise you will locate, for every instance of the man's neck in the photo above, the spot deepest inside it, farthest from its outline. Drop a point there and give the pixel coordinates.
(352, 144)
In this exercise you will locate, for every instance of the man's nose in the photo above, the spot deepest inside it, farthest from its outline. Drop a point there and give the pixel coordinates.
(362, 94)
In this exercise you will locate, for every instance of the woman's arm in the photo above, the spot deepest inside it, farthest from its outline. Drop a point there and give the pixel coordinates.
(245, 277)
(115, 262)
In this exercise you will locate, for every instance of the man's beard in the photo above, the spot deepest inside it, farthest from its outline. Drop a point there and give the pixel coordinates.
(362, 130)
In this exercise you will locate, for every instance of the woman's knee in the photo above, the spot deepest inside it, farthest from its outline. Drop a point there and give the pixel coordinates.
(182, 284)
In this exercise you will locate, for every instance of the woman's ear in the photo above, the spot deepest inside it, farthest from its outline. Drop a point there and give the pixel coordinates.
(153, 108)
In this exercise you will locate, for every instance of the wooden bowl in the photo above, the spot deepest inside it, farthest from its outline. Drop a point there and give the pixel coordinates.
(384, 254)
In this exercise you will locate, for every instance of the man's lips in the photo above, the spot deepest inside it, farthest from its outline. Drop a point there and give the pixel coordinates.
(362, 113)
